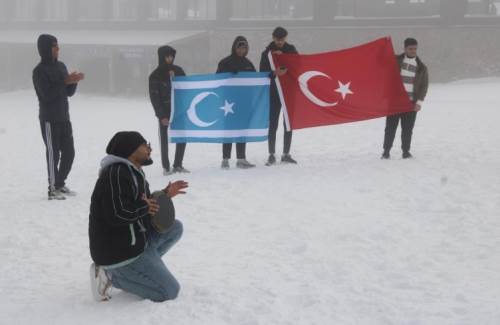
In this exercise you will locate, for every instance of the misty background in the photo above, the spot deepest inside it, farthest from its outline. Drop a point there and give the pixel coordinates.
(114, 42)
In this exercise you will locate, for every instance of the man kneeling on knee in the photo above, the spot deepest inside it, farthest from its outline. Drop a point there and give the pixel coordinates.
(125, 245)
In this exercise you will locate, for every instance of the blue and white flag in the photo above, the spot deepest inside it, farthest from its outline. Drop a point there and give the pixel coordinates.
(220, 108)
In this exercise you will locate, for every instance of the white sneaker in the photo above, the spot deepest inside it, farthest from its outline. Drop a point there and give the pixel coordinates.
(66, 191)
(244, 164)
(100, 284)
(224, 164)
(55, 195)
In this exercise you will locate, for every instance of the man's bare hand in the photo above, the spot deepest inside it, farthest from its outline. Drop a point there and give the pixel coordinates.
(417, 107)
(175, 188)
(164, 121)
(152, 205)
(280, 72)
(74, 78)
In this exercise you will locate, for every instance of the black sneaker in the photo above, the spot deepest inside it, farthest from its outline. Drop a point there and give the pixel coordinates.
(271, 160)
(55, 195)
(286, 158)
(386, 155)
(407, 155)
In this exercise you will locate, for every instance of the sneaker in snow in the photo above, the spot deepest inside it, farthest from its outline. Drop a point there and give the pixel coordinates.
(166, 171)
(244, 164)
(407, 155)
(286, 158)
(66, 191)
(224, 164)
(56, 195)
(100, 284)
(386, 155)
(271, 160)
(180, 170)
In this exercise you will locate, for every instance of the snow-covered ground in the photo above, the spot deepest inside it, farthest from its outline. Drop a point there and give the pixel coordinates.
(342, 238)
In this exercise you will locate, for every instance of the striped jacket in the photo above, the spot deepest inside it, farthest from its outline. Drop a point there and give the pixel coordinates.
(421, 81)
(118, 213)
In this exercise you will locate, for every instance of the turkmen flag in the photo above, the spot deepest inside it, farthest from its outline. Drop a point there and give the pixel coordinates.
(220, 108)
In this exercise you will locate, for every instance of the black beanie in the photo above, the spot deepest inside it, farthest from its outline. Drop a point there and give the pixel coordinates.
(410, 42)
(280, 32)
(124, 143)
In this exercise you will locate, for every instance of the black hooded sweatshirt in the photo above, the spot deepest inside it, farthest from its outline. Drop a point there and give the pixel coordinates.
(118, 214)
(48, 79)
(160, 85)
(265, 66)
(235, 63)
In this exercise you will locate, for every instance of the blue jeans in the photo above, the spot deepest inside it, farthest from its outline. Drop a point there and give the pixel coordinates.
(147, 276)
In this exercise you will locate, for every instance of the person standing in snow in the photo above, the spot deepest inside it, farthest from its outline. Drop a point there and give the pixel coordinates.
(126, 248)
(53, 86)
(234, 63)
(160, 87)
(415, 78)
(277, 46)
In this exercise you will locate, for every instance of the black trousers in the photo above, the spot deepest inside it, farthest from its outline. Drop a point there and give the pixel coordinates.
(180, 148)
(60, 151)
(274, 116)
(240, 150)
(407, 124)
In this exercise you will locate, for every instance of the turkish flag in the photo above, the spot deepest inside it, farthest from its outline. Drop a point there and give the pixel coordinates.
(355, 84)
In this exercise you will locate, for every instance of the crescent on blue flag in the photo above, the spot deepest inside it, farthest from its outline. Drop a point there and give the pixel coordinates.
(220, 108)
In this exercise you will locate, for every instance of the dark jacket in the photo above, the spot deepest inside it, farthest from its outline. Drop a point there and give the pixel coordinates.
(421, 83)
(265, 66)
(235, 63)
(48, 79)
(160, 85)
(118, 213)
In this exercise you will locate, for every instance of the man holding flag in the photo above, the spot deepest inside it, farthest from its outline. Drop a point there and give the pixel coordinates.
(278, 46)
(236, 62)
(416, 82)
(160, 90)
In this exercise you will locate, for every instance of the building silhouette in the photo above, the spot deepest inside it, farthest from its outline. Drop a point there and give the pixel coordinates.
(116, 40)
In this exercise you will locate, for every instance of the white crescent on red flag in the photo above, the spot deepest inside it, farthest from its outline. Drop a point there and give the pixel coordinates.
(344, 86)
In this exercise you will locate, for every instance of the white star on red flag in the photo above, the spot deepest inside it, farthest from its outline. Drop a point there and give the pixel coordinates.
(344, 89)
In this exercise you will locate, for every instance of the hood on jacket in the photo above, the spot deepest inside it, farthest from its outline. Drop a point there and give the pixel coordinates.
(237, 43)
(109, 160)
(44, 44)
(163, 52)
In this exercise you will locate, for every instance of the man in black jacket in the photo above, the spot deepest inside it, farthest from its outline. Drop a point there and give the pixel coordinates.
(53, 86)
(160, 87)
(125, 247)
(234, 63)
(277, 46)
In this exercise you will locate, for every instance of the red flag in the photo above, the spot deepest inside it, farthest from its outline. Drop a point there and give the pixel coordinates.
(344, 86)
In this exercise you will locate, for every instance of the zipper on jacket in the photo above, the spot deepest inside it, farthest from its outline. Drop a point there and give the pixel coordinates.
(132, 233)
